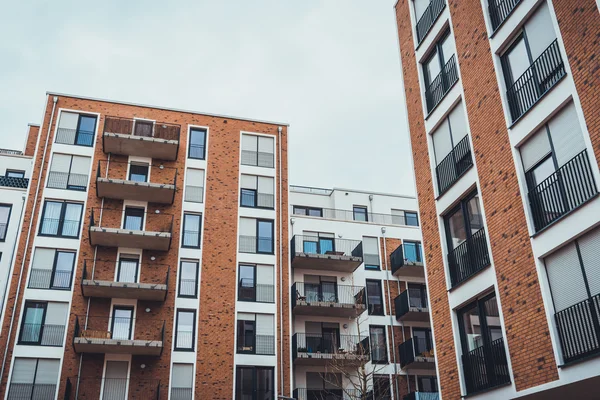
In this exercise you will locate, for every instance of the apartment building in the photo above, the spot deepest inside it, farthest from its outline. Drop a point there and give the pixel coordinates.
(503, 109)
(139, 223)
(358, 297)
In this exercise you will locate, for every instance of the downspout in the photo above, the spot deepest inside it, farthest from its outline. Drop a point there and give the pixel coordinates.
(387, 277)
(281, 244)
(37, 191)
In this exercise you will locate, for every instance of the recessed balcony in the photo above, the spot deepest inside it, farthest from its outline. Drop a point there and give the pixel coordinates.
(132, 227)
(125, 285)
(321, 349)
(409, 265)
(411, 305)
(119, 335)
(469, 257)
(111, 388)
(416, 353)
(328, 299)
(135, 181)
(141, 138)
(326, 253)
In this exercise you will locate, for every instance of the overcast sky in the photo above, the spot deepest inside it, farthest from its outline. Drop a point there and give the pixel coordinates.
(329, 68)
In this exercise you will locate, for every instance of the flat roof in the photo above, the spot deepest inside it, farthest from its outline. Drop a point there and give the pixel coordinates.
(167, 108)
(327, 192)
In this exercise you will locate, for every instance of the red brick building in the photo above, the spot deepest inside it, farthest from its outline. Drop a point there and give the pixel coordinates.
(502, 102)
(128, 208)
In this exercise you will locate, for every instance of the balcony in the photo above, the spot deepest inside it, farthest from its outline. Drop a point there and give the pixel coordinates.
(154, 289)
(50, 278)
(412, 306)
(422, 396)
(579, 329)
(112, 388)
(328, 394)
(485, 367)
(441, 84)
(426, 21)
(500, 10)
(18, 391)
(41, 334)
(150, 232)
(340, 255)
(563, 191)
(415, 353)
(256, 344)
(371, 218)
(468, 258)
(537, 80)
(114, 335)
(403, 267)
(129, 137)
(113, 181)
(343, 351)
(12, 182)
(328, 299)
(454, 165)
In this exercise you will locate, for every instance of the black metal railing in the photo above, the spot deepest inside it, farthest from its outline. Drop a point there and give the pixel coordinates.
(412, 348)
(75, 137)
(258, 159)
(441, 84)
(426, 21)
(324, 245)
(41, 334)
(256, 245)
(538, 79)
(485, 367)
(194, 194)
(11, 152)
(59, 227)
(579, 329)
(22, 391)
(187, 287)
(326, 292)
(399, 260)
(454, 165)
(126, 273)
(151, 222)
(324, 343)
(181, 393)
(156, 174)
(500, 10)
(111, 388)
(248, 290)
(563, 191)
(121, 328)
(468, 258)
(329, 394)
(49, 279)
(410, 298)
(66, 180)
(256, 344)
(257, 200)
(422, 396)
(125, 126)
(374, 218)
(12, 182)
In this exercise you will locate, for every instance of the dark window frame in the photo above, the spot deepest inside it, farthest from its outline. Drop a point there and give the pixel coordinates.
(433, 382)
(406, 217)
(238, 334)
(133, 210)
(307, 211)
(203, 146)
(254, 270)
(419, 249)
(272, 222)
(198, 245)
(68, 186)
(428, 338)
(378, 281)
(136, 165)
(9, 206)
(478, 303)
(42, 323)
(112, 322)
(187, 296)
(15, 171)
(385, 344)
(130, 259)
(60, 227)
(361, 210)
(185, 310)
(254, 369)
(54, 265)
(462, 206)
(78, 129)
(254, 193)
(437, 49)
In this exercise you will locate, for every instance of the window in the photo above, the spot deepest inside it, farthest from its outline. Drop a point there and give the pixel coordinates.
(374, 297)
(426, 13)
(134, 219)
(371, 252)
(128, 268)
(34, 378)
(427, 384)
(122, 323)
(417, 295)
(532, 65)
(188, 279)
(138, 172)
(185, 333)
(13, 173)
(310, 211)
(412, 219)
(378, 344)
(182, 382)
(413, 252)
(256, 283)
(76, 129)
(257, 191)
(324, 386)
(61, 219)
(258, 151)
(68, 172)
(255, 334)
(360, 213)
(439, 71)
(557, 168)
(5, 210)
(254, 383)
(43, 323)
(194, 185)
(500, 10)
(143, 128)
(256, 236)
(114, 384)
(51, 269)
(197, 147)
(191, 230)
(381, 387)
(422, 341)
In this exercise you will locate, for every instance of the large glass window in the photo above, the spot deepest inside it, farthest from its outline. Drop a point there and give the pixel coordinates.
(439, 71)
(265, 236)
(422, 341)
(69, 172)
(191, 230)
(134, 218)
(182, 381)
(185, 330)
(427, 384)
(76, 129)
(188, 279)
(374, 297)
(371, 252)
(194, 185)
(258, 150)
(257, 191)
(138, 172)
(413, 252)
(61, 219)
(197, 147)
(254, 383)
(412, 218)
(378, 345)
(128, 269)
(51, 269)
(122, 323)
(463, 221)
(34, 379)
(360, 213)
(43, 323)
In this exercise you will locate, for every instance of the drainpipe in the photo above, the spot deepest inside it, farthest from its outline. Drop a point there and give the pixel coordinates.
(387, 277)
(37, 191)
(281, 244)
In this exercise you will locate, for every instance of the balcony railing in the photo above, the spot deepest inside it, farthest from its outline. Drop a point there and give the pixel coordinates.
(454, 165)
(341, 255)
(258, 159)
(182, 393)
(404, 266)
(422, 396)
(12, 182)
(373, 218)
(75, 137)
(539, 78)
(500, 10)
(326, 347)
(11, 152)
(248, 290)
(112, 388)
(42, 334)
(327, 298)
(441, 84)
(412, 304)
(257, 200)
(415, 350)
(66, 180)
(329, 394)
(49, 279)
(257, 344)
(256, 245)
(22, 391)
(563, 191)
(426, 21)
(579, 329)
(485, 367)
(194, 194)
(468, 258)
